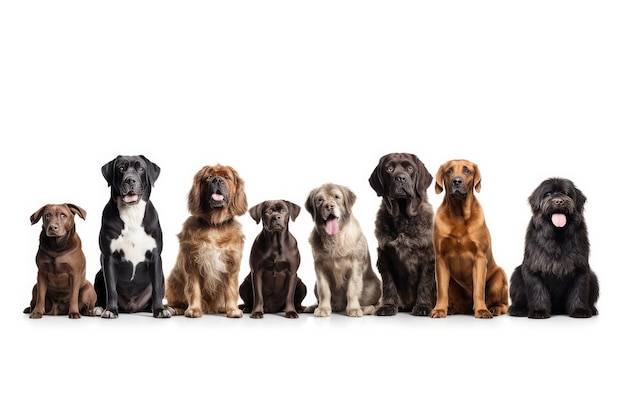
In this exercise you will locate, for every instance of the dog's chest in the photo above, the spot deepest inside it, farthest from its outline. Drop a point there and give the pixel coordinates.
(133, 242)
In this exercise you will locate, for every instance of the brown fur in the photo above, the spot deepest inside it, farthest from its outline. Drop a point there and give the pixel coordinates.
(205, 275)
(345, 278)
(468, 278)
(62, 287)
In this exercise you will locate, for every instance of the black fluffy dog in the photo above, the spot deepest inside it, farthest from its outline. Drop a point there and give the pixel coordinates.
(131, 241)
(555, 277)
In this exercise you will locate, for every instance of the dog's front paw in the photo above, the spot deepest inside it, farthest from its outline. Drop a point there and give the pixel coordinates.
(322, 312)
(109, 314)
(97, 311)
(581, 313)
(421, 310)
(291, 314)
(163, 313)
(355, 312)
(517, 311)
(387, 310)
(234, 314)
(483, 313)
(193, 313)
(256, 315)
(73, 315)
(36, 315)
(538, 314)
(438, 313)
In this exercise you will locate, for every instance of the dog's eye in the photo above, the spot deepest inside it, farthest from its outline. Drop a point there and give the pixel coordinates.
(48, 215)
(466, 171)
(548, 194)
(226, 177)
(208, 177)
(140, 169)
(63, 215)
(389, 168)
(409, 168)
(283, 210)
(449, 171)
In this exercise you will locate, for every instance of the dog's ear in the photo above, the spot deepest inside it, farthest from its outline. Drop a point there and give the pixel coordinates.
(36, 216)
(579, 200)
(439, 180)
(240, 201)
(153, 170)
(477, 178)
(294, 209)
(77, 210)
(375, 179)
(349, 198)
(309, 204)
(424, 178)
(108, 170)
(256, 212)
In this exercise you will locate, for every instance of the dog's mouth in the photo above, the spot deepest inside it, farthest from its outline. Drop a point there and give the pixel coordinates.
(558, 219)
(131, 198)
(331, 226)
(217, 199)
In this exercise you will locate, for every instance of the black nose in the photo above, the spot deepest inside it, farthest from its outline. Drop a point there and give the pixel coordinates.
(457, 181)
(130, 180)
(401, 178)
(218, 180)
(557, 201)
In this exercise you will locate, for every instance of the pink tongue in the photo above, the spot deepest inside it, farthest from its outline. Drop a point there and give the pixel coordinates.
(332, 226)
(131, 198)
(217, 197)
(559, 219)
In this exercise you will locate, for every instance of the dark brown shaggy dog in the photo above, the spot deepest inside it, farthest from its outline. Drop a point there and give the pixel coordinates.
(205, 275)
(345, 280)
(404, 224)
(555, 277)
(468, 278)
(62, 287)
(273, 284)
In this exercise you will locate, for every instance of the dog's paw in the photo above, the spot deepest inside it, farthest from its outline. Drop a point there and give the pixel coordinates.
(581, 313)
(109, 314)
(291, 314)
(538, 314)
(256, 315)
(234, 314)
(97, 311)
(438, 313)
(387, 310)
(483, 313)
(310, 309)
(421, 310)
(498, 309)
(322, 312)
(163, 313)
(75, 315)
(36, 315)
(354, 312)
(193, 313)
(517, 311)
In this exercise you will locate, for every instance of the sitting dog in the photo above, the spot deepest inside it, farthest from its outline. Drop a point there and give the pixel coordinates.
(555, 277)
(468, 278)
(131, 278)
(345, 278)
(205, 275)
(62, 287)
(404, 229)
(273, 284)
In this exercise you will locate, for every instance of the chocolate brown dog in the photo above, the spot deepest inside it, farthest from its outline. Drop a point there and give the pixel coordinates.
(468, 278)
(273, 284)
(62, 287)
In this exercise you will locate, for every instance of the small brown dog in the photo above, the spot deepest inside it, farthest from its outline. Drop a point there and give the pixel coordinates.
(273, 284)
(468, 278)
(62, 287)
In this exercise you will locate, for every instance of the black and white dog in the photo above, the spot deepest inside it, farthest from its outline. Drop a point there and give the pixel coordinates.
(131, 276)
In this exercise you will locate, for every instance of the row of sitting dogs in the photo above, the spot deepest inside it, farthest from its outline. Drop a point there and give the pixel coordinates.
(430, 264)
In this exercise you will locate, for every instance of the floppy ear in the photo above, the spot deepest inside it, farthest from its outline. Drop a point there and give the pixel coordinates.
(108, 170)
(294, 209)
(349, 198)
(375, 180)
(153, 170)
(36, 216)
(309, 205)
(439, 180)
(424, 179)
(194, 199)
(256, 212)
(477, 178)
(240, 202)
(534, 199)
(579, 200)
(77, 210)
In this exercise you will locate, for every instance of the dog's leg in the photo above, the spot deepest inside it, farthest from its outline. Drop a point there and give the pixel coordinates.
(497, 295)
(443, 283)
(290, 305)
(40, 305)
(540, 304)
(577, 297)
(390, 298)
(426, 289)
(75, 283)
(257, 294)
(193, 293)
(479, 283)
(323, 308)
(158, 290)
(110, 281)
(353, 291)
(231, 296)
(518, 294)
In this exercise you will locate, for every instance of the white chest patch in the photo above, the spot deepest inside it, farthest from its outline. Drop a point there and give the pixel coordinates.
(133, 242)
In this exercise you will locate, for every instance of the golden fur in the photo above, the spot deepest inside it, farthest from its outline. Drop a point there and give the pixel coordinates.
(468, 278)
(205, 275)
(345, 278)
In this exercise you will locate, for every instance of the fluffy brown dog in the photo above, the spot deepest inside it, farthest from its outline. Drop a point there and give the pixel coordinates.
(62, 287)
(273, 284)
(345, 278)
(205, 275)
(468, 278)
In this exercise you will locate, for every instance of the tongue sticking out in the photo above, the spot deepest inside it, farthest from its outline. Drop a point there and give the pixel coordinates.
(559, 219)
(332, 226)
(131, 198)
(217, 197)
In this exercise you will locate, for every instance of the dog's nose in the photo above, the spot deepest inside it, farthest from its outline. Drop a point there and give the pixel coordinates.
(218, 180)
(557, 201)
(457, 181)
(130, 180)
(401, 178)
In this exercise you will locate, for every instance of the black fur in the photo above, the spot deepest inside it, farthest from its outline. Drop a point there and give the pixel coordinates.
(555, 277)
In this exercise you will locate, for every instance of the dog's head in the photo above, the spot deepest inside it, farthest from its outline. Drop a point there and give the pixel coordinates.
(401, 179)
(217, 194)
(58, 219)
(275, 214)
(458, 177)
(330, 206)
(557, 202)
(131, 178)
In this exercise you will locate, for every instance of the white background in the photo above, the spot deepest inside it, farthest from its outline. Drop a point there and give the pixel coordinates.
(292, 95)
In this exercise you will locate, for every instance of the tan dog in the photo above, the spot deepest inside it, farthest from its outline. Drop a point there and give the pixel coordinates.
(468, 278)
(62, 287)
(205, 277)
(345, 278)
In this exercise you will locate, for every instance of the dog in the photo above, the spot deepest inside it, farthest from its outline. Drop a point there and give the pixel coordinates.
(205, 275)
(273, 284)
(403, 228)
(345, 280)
(62, 287)
(555, 276)
(131, 241)
(468, 279)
